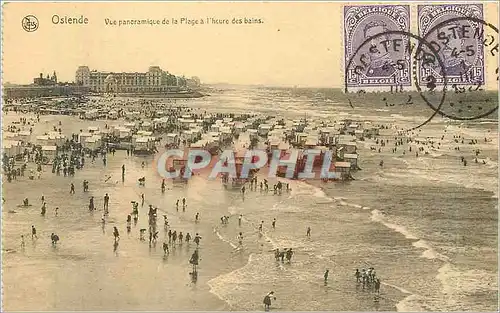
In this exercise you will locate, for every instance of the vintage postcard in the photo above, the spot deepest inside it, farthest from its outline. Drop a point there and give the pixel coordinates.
(250, 156)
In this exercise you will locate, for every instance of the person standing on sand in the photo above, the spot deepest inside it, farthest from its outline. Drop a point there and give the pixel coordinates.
(326, 276)
(377, 285)
(357, 274)
(240, 239)
(116, 234)
(44, 208)
(274, 223)
(267, 300)
(165, 249)
(197, 238)
(33, 232)
(308, 233)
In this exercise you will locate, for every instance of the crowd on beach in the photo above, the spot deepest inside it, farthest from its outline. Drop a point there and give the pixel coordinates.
(72, 158)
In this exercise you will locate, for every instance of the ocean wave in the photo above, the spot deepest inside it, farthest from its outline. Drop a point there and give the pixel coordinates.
(412, 303)
(456, 286)
(378, 216)
(219, 235)
(460, 283)
(429, 252)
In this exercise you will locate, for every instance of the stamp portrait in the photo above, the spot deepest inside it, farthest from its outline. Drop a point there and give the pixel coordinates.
(460, 43)
(389, 66)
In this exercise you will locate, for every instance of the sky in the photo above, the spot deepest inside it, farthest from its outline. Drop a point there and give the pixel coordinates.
(297, 44)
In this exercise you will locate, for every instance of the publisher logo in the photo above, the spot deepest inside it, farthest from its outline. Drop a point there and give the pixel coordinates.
(30, 23)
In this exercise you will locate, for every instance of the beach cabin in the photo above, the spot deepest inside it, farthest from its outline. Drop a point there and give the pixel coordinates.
(91, 114)
(172, 140)
(7, 149)
(351, 128)
(90, 143)
(226, 133)
(93, 129)
(82, 137)
(215, 128)
(346, 138)
(144, 133)
(180, 166)
(342, 167)
(352, 159)
(371, 132)
(136, 115)
(346, 148)
(184, 123)
(93, 143)
(147, 126)
(143, 144)
(112, 115)
(264, 129)
(214, 136)
(359, 134)
(300, 138)
(122, 132)
(24, 136)
(197, 131)
(200, 144)
(49, 153)
(187, 135)
(274, 144)
(9, 136)
(12, 147)
(129, 116)
(328, 135)
(160, 123)
(56, 139)
(239, 128)
(45, 140)
(252, 134)
(310, 143)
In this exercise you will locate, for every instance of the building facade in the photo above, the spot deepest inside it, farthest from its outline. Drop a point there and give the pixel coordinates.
(155, 80)
(49, 81)
(34, 91)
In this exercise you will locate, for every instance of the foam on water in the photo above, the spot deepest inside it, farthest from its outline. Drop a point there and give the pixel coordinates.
(429, 252)
(378, 216)
(219, 235)
(456, 285)
(456, 282)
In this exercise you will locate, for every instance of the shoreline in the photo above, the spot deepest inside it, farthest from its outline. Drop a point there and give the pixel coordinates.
(376, 231)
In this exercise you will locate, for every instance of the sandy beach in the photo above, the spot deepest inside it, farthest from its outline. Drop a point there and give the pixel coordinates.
(414, 220)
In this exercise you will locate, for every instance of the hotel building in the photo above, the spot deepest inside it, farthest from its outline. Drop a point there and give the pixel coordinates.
(155, 80)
